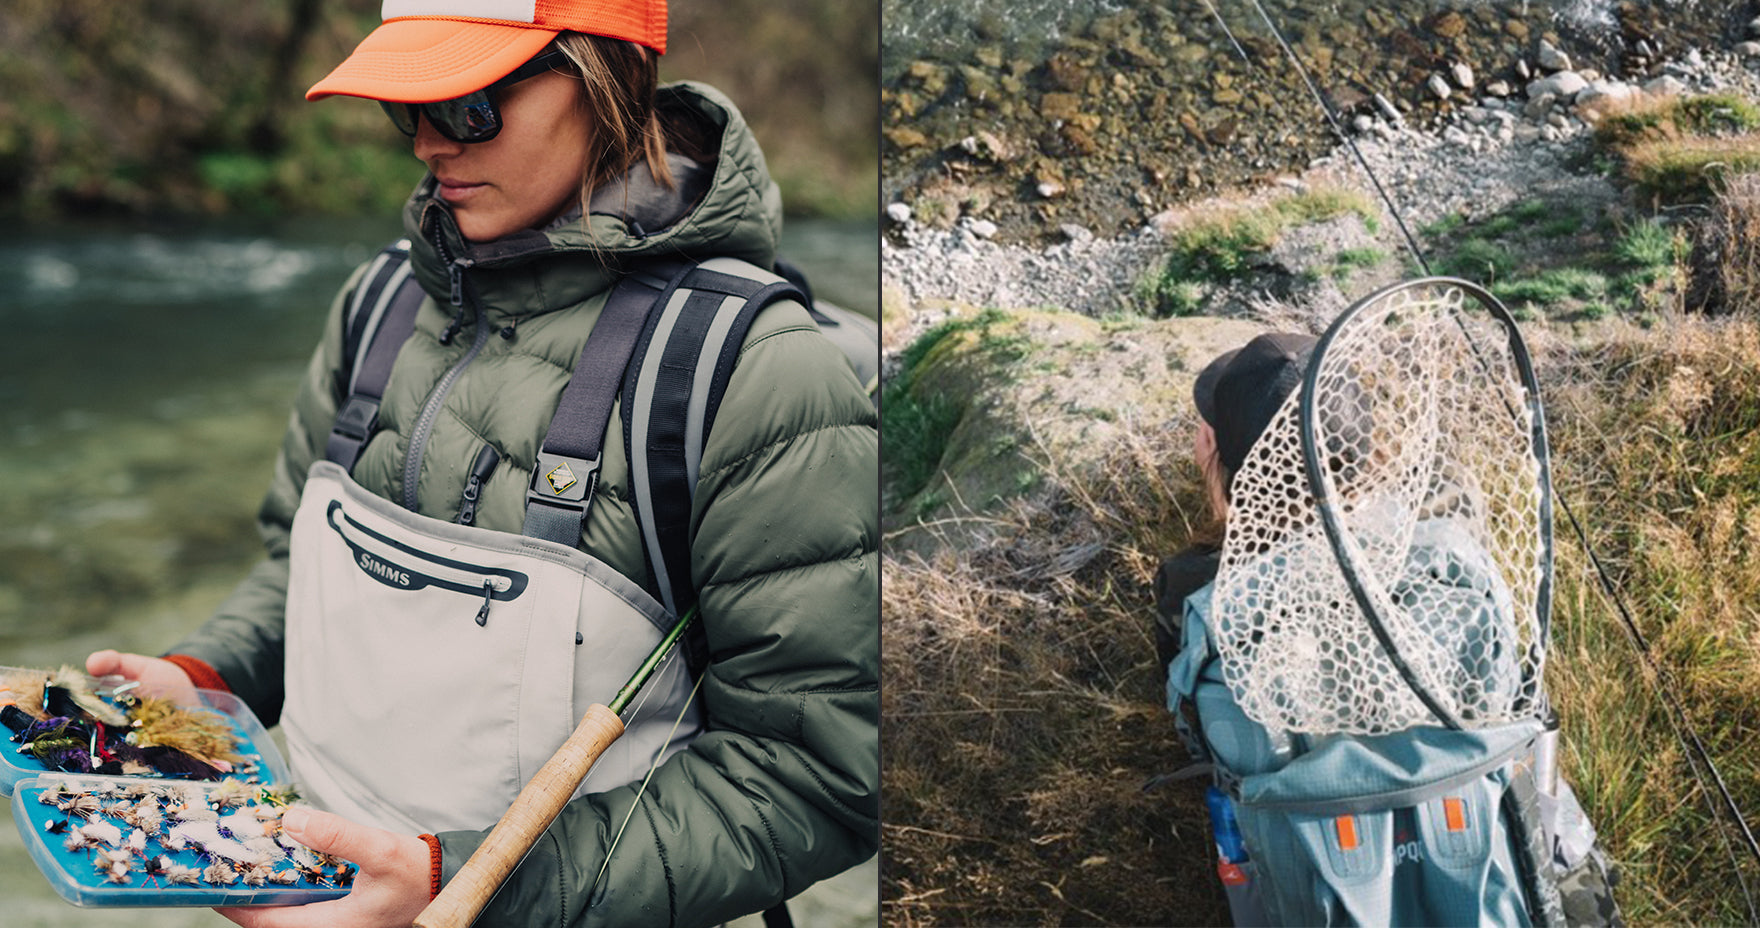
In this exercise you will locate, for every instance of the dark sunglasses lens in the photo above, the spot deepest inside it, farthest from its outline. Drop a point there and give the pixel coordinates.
(470, 118)
(403, 116)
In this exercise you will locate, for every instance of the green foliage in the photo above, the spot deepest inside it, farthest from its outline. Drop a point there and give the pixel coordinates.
(915, 424)
(1647, 243)
(1552, 287)
(1477, 259)
(1223, 246)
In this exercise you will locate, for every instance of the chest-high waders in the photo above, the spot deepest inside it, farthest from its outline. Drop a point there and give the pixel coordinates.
(432, 667)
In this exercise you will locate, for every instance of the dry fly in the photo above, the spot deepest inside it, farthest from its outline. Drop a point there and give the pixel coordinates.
(219, 872)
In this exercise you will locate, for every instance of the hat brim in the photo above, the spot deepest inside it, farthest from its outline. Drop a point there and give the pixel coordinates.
(426, 60)
(1204, 388)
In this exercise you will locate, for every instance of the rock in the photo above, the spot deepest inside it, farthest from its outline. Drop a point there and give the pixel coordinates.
(1462, 74)
(898, 212)
(1362, 123)
(1754, 27)
(986, 145)
(990, 56)
(982, 228)
(1538, 106)
(1477, 115)
(1060, 106)
(1436, 85)
(1449, 25)
(1550, 58)
(1748, 49)
(906, 137)
(1665, 86)
(1228, 97)
(1522, 70)
(1075, 233)
(1604, 92)
(1387, 109)
(928, 75)
(1564, 85)
(1516, 29)
(1049, 189)
(1498, 88)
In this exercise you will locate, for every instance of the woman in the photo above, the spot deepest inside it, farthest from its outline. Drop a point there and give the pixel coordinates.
(1236, 395)
(555, 165)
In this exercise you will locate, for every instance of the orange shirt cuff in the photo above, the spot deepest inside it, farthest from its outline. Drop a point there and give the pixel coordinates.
(433, 865)
(201, 673)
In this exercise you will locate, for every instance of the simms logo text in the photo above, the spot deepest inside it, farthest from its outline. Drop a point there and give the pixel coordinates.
(389, 573)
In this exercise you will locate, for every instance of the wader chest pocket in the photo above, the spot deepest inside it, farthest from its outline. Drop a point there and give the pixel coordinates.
(401, 566)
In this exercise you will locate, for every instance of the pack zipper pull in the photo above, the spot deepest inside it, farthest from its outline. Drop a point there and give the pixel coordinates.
(484, 465)
(488, 597)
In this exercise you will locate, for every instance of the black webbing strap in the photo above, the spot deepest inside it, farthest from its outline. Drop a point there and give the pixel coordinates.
(674, 384)
(567, 469)
(385, 320)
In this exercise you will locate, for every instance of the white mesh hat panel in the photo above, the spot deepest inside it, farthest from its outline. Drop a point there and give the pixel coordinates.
(1424, 439)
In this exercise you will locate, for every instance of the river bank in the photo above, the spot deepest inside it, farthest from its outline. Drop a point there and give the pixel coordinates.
(1144, 108)
(1476, 161)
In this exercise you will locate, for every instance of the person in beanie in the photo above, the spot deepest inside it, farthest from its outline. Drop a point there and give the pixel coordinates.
(1236, 396)
(421, 655)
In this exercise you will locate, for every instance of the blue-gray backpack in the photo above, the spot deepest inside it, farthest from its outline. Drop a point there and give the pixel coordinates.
(1363, 676)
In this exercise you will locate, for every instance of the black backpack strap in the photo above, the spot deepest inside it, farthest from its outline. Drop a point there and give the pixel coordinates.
(379, 318)
(567, 470)
(673, 389)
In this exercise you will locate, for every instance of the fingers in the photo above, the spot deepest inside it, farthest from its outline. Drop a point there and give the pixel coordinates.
(290, 916)
(371, 848)
(103, 663)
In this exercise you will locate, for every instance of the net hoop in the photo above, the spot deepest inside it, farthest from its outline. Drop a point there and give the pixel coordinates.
(1364, 585)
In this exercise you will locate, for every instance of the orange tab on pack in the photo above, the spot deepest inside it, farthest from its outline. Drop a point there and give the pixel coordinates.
(1454, 814)
(1347, 832)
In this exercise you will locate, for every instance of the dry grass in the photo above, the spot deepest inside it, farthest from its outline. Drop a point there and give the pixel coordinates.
(1024, 713)
(1724, 271)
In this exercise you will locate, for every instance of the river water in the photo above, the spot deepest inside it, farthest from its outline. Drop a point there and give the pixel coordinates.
(1123, 108)
(144, 385)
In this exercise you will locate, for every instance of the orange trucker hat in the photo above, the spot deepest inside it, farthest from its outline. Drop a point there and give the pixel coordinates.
(430, 50)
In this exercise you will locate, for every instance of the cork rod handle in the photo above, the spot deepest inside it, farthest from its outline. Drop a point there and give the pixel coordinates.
(537, 805)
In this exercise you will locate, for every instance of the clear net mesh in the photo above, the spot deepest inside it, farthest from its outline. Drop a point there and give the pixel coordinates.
(1423, 428)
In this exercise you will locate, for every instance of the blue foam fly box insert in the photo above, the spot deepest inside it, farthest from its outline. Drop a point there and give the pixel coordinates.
(130, 842)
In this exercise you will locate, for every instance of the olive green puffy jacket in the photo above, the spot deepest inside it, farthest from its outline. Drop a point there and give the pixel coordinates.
(783, 788)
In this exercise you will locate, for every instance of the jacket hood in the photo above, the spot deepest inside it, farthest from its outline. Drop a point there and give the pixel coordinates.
(727, 207)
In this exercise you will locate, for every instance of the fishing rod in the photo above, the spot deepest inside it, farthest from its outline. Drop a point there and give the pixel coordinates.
(1662, 680)
(541, 800)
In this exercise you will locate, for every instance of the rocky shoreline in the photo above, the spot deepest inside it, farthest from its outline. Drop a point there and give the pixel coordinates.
(1157, 105)
(1490, 151)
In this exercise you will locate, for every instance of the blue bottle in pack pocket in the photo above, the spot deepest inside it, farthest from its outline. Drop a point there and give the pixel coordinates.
(1229, 845)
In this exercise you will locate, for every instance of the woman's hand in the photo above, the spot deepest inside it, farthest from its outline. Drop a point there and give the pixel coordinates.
(390, 890)
(136, 667)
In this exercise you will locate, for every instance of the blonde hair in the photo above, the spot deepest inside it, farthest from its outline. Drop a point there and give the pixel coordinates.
(1216, 480)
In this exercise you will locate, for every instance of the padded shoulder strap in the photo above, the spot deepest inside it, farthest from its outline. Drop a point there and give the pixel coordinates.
(567, 470)
(379, 318)
(674, 386)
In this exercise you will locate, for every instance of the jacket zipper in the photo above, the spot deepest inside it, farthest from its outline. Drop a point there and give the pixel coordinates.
(473, 487)
(424, 428)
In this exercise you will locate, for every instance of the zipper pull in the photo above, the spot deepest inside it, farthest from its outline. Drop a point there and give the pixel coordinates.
(455, 273)
(488, 597)
(473, 486)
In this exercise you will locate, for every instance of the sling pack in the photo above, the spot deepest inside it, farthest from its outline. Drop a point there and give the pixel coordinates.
(1366, 665)
(668, 341)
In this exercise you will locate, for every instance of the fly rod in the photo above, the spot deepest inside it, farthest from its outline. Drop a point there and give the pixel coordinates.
(540, 801)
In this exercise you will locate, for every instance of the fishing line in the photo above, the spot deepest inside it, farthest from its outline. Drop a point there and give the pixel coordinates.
(1662, 679)
(1331, 120)
(655, 765)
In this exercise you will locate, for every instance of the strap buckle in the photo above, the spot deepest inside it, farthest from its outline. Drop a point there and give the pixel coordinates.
(357, 417)
(563, 481)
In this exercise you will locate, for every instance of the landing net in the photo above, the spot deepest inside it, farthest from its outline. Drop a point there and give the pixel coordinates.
(1388, 556)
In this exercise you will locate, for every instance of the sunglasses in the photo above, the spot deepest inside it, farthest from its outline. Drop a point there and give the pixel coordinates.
(472, 117)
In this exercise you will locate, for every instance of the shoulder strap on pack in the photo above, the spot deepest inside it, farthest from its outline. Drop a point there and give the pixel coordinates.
(567, 470)
(674, 387)
(379, 317)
